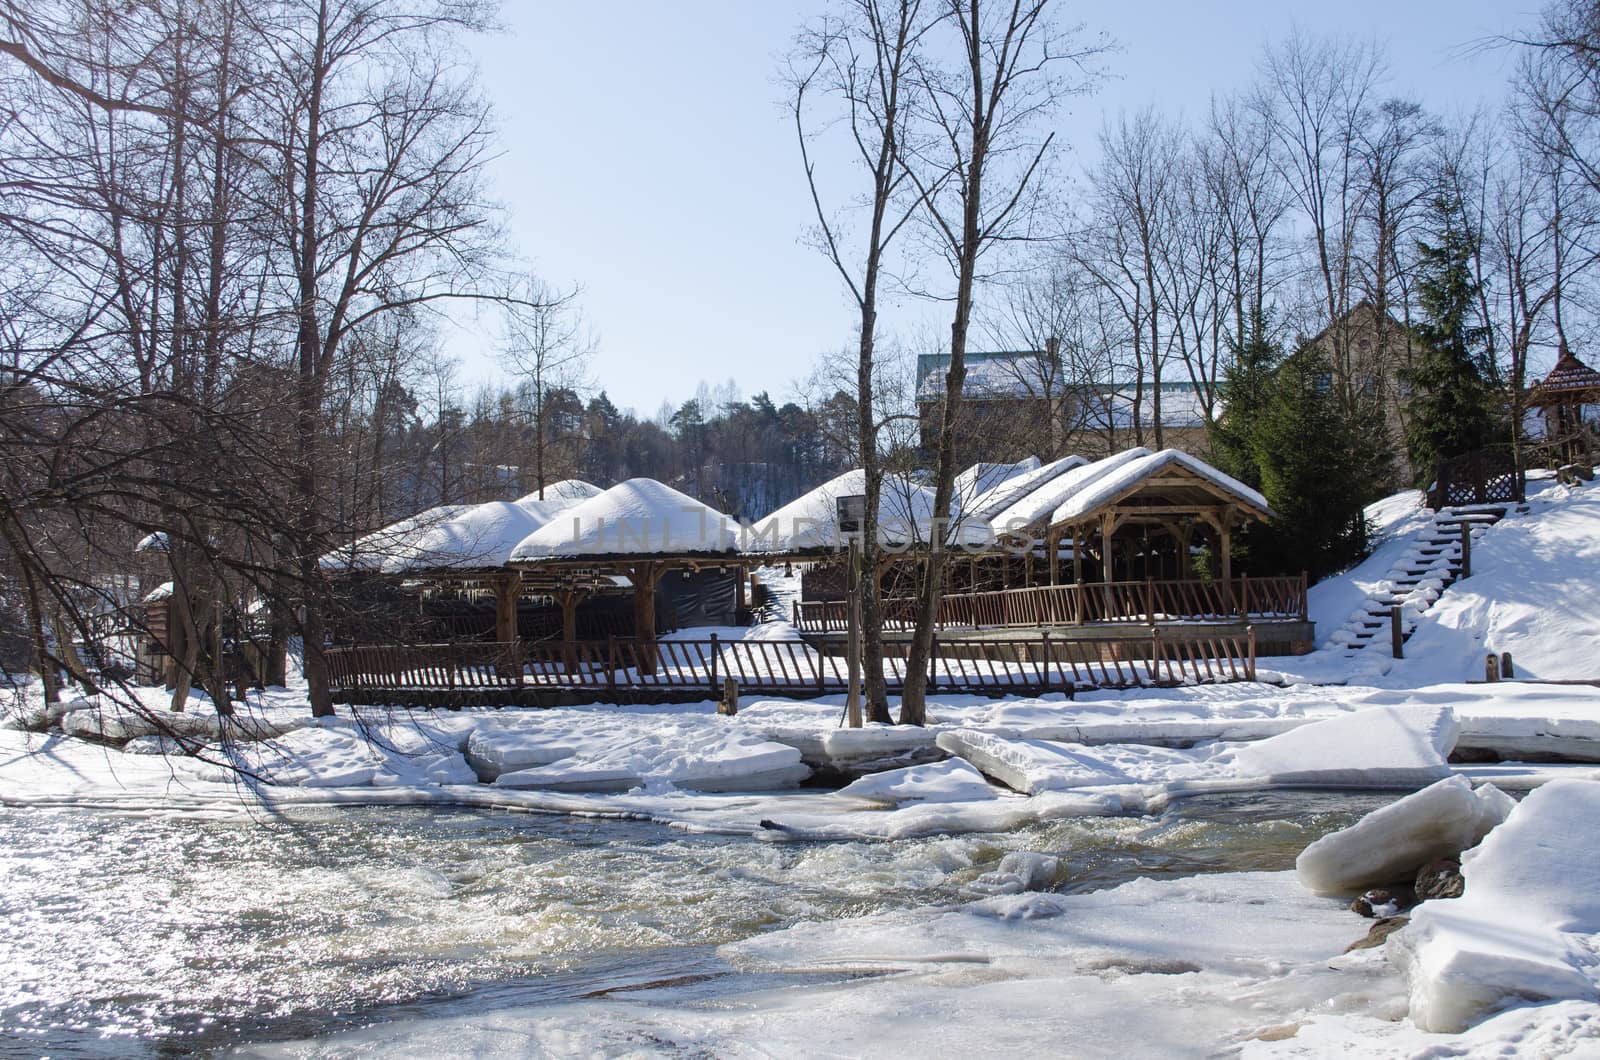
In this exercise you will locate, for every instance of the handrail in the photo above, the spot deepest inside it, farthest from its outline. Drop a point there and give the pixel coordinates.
(1086, 603)
(790, 667)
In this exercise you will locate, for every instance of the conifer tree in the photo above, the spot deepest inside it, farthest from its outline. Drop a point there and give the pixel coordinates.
(1451, 410)
(1246, 386)
(1320, 465)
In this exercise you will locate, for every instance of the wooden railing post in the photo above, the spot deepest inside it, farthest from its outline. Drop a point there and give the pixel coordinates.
(1396, 633)
(1044, 663)
(1250, 660)
(1155, 655)
(933, 663)
(1244, 597)
(1305, 595)
(713, 664)
(1150, 600)
(611, 663)
(1466, 549)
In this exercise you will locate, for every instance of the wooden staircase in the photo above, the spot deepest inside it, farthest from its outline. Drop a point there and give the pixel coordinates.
(1415, 582)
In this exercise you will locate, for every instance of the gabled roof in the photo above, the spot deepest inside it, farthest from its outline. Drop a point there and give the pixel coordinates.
(980, 478)
(637, 518)
(1036, 505)
(990, 504)
(1195, 483)
(1569, 377)
(809, 524)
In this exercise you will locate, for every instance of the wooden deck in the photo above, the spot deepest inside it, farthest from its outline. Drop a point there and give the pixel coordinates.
(550, 672)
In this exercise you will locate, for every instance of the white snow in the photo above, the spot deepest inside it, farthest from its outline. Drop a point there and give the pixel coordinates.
(638, 517)
(980, 478)
(478, 538)
(991, 502)
(952, 780)
(810, 522)
(1042, 499)
(1391, 843)
(1528, 925)
(400, 538)
(1125, 476)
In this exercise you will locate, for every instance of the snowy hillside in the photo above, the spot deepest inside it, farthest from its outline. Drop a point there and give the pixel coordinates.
(1531, 592)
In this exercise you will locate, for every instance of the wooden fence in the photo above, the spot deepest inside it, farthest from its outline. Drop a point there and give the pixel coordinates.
(1132, 603)
(1484, 476)
(788, 667)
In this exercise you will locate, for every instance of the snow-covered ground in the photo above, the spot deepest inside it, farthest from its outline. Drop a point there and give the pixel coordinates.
(1244, 962)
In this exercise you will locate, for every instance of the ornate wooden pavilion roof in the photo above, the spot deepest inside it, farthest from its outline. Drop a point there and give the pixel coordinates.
(1570, 381)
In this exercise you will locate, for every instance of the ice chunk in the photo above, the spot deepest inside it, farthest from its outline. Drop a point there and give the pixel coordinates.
(1389, 844)
(1527, 926)
(495, 749)
(949, 781)
(1382, 747)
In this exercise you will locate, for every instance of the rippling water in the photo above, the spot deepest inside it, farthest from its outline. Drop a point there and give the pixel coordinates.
(165, 934)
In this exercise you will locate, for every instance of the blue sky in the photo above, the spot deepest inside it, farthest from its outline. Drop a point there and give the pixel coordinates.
(647, 157)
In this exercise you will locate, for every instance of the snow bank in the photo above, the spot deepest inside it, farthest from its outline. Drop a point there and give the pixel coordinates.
(1391, 843)
(1528, 926)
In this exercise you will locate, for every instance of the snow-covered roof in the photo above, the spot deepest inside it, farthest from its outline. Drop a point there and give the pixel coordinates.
(160, 592)
(558, 497)
(480, 537)
(1182, 405)
(1126, 477)
(810, 522)
(1037, 504)
(400, 538)
(989, 504)
(639, 517)
(1570, 376)
(980, 478)
(991, 376)
(156, 542)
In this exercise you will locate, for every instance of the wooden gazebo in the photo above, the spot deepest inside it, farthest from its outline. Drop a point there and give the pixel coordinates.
(1562, 396)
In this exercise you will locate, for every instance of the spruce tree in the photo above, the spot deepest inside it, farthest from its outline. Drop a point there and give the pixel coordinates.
(1451, 410)
(1320, 466)
(1246, 386)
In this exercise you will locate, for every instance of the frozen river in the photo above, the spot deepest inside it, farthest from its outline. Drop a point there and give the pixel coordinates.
(167, 933)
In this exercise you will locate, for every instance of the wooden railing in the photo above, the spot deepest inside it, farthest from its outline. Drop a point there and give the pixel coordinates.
(790, 667)
(1134, 602)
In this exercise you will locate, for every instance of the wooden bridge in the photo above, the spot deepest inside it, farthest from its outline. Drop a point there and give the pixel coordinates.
(673, 670)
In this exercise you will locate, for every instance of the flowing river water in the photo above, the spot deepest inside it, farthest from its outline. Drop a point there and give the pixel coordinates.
(160, 934)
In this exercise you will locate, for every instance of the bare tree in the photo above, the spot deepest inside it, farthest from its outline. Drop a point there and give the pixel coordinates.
(548, 346)
(976, 176)
(861, 60)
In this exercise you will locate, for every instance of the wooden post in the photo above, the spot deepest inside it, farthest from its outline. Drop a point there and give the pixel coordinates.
(1044, 663)
(569, 628)
(853, 638)
(729, 704)
(933, 663)
(644, 614)
(1396, 633)
(1150, 600)
(1077, 557)
(1250, 647)
(1155, 655)
(1491, 667)
(1466, 550)
(1052, 541)
(715, 649)
(1225, 546)
(1244, 597)
(1305, 595)
(1507, 671)
(611, 663)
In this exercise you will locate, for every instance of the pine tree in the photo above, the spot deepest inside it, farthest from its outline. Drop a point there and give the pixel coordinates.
(1451, 410)
(1320, 466)
(1246, 385)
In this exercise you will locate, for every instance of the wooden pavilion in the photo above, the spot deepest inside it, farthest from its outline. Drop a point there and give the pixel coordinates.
(1563, 396)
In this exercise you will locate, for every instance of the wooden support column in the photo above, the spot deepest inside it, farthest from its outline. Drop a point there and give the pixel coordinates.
(568, 599)
(1052, 542)
(644, 577)
(507, 590)
(1225, 530)
(1079, 541)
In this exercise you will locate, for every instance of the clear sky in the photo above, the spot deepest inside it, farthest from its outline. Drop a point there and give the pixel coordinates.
(647, 157)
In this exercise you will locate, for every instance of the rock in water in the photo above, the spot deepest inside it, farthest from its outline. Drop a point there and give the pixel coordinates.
(1440, 878)
(1381, 930)
(1382, 902)
(1388, 844)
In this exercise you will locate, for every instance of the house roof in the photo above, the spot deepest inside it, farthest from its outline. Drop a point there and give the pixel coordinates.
(992, 375)
(1036, 504)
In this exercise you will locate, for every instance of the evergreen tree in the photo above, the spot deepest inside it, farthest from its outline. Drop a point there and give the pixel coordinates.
(1451, 410)
(1246, 385)
(1320, 466)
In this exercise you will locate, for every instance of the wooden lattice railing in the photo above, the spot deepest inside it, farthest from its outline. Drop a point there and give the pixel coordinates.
(789, 667)
(1133, 602)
